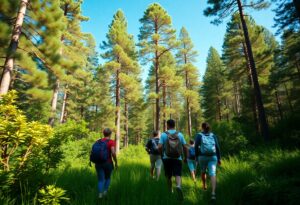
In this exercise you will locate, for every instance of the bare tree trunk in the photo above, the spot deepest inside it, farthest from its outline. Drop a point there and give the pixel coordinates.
(125, 143)
(252, 92)
(157, 83)
(288, 98)
(13, 46)
(118, 112)
(278, 104)
(164, 106)
(54, 104)
(261, 110)
(63, 114)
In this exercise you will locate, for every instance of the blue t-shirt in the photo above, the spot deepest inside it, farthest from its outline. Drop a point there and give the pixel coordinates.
(163, 141)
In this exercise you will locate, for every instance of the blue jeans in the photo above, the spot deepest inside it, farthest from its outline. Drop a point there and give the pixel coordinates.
(208, 162)
(103, 173)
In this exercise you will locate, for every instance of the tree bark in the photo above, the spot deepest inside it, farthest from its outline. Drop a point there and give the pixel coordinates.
(63, 114)
(252, 93)
(13, 46)
(118, 111)
(157, 82)
(188, 108)
(288, 98)
(278, 102)
(261, 110)
(164, 106)
(125, 143)
(54, 104)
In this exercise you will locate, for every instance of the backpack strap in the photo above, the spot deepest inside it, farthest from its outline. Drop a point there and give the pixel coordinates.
(175, 135)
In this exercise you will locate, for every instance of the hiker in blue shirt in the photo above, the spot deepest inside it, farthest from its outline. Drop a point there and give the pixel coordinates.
(172, 145)
(155, 156)
(207, 151)
(191, 161)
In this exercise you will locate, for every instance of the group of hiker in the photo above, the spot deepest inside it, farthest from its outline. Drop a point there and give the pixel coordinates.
(168, 149)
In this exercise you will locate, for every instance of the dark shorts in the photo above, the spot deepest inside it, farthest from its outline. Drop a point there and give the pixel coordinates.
(107, 168)
(173, 167)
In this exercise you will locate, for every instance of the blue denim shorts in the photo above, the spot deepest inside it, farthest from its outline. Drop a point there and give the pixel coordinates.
(191, 164)
(208, 163)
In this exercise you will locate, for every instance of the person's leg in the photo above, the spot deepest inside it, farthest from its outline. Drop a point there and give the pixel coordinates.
(191, 165)
(152, 161)
(203, 166)
(212, 165)
(158, 164)
(107, 171)
(168, 173)
(177, 169)
(101, 180)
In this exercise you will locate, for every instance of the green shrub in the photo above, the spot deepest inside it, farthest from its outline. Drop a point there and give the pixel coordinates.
(51, 195)
(231, 137)
(72, 130)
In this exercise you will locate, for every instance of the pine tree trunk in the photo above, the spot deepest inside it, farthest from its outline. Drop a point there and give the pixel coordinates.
(54, 104)
(261, 110)
(164, 106)
(188, 108)
(118, 112)
(13, 46)
(288, 98)
(63, 114)
(250, 82)
(297, 6)
(157, 83)
(125, 143)
(171, 106)
(278, 102)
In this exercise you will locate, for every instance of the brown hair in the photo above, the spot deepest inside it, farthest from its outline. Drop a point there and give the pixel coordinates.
(205, 127)
(107, 132)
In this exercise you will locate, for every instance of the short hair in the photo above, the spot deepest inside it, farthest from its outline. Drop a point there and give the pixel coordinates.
(155, 133)
(191, 142)
(107, 132)
(205, 126)
(171, 123)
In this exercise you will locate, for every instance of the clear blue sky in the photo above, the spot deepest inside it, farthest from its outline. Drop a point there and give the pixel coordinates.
(187, 13)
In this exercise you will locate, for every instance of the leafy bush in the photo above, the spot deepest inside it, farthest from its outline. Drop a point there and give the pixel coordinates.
(72, 130)
(51, 195)
(28, 149)
(231, 137)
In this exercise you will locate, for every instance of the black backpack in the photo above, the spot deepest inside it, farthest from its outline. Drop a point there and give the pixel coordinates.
(154, 147)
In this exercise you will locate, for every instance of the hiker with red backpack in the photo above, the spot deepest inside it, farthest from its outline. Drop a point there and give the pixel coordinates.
(207, 150)
(172, 145)
(103, 154)
(155, 156)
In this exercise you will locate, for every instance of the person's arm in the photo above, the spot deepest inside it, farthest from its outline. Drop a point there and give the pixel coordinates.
(185, 148)
(114, 156)
(218, 150)
(160, 144)
(147, 147)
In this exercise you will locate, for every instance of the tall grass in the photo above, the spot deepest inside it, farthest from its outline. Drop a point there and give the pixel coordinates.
(264, 176)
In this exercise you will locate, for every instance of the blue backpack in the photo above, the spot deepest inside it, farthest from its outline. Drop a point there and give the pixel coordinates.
(99, 153)
(208, 144)
(192, 153)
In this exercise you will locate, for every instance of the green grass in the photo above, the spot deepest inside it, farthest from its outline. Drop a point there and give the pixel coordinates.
(263, 176)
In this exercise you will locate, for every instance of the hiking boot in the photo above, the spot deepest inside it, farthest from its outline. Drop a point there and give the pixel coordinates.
(179, 193)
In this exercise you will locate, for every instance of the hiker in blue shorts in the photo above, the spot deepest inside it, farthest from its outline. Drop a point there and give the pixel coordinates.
(191, 161)
(155, 156)
(172, 145)
(207, 151)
